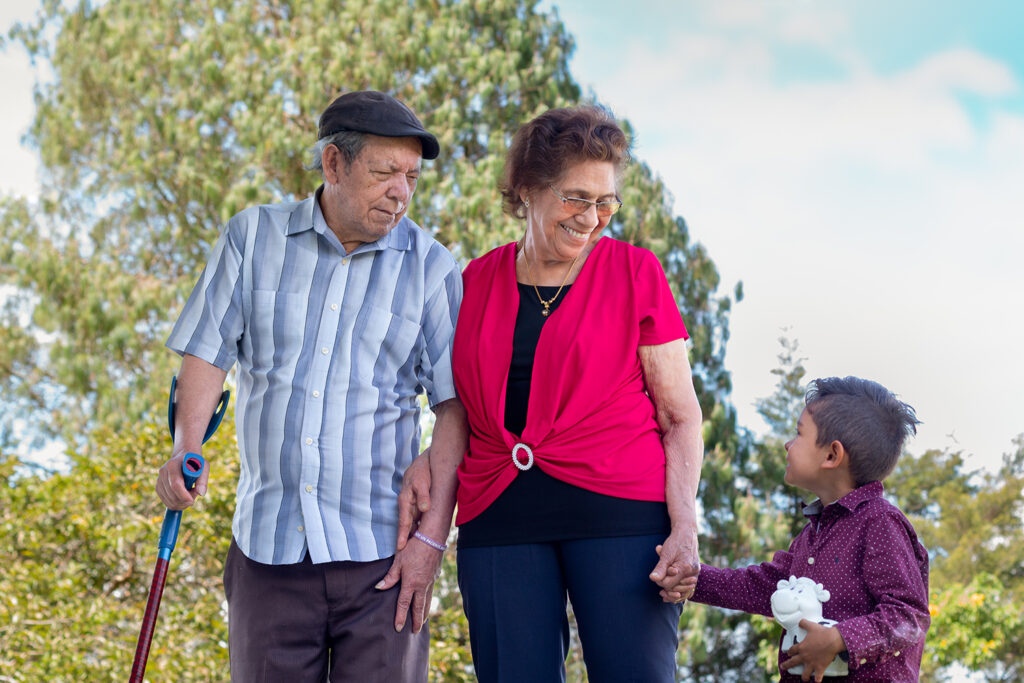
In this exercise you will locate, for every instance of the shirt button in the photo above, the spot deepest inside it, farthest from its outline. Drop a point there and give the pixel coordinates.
(316, 394)
(810, 560)
(334, 307)
(309, 488)
(302, 528)
(344, 261)
(863, 661)
(324, 350)
(896, 654)
(309, 441)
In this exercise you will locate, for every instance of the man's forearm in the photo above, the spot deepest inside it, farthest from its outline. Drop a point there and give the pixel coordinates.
(199, 387)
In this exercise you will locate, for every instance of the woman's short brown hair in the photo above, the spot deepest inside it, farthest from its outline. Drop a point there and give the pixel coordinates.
(545, 147)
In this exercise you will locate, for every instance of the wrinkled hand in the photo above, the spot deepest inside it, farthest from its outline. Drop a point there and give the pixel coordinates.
(414, 498)
(415, 568)
(816, 651)
(678, 584)
(678, 566)
(170, 484)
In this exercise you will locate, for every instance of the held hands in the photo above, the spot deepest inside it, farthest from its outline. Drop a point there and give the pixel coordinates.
(170, 484)
(677, 567)
(816, 651)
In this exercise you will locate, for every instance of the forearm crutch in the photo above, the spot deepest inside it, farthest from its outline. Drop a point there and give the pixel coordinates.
(191, 468)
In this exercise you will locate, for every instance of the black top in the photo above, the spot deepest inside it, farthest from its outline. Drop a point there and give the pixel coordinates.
(536, 507)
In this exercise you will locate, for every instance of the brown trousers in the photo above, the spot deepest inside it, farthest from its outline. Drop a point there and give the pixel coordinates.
(304, 622)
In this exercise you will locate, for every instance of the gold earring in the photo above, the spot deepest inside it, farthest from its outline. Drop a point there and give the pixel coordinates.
(526, 202)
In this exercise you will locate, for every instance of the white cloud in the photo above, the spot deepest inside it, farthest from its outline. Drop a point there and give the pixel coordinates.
(963, 69)
(869, 213)
(17, 172)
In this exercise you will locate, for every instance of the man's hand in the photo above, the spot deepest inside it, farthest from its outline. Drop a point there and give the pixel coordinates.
(414, 499)
(415, 569)
(816, 651)
(170, 484)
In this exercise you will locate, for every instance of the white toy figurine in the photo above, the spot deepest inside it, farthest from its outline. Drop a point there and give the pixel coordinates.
(798, 599)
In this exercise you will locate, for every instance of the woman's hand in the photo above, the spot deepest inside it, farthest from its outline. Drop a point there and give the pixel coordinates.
(678, 565)
(414, 499)
(670, 386)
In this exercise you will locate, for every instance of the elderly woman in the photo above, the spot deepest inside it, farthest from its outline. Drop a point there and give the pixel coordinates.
(584, 428)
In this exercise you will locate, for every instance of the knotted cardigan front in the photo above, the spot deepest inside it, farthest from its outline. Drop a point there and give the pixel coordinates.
(589, 420)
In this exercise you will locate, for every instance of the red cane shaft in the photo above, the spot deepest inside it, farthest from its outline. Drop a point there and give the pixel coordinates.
(156, 592)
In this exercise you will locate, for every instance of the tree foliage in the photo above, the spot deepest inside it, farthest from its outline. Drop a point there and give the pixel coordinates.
(165, 118)
(78, 553)
(971, 523)
(162, 120)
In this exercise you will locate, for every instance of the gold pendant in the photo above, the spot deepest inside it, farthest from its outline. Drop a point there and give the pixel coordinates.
(545, 312)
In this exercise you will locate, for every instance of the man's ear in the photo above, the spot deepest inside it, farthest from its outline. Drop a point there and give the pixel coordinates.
(836, 455)
(332, 162)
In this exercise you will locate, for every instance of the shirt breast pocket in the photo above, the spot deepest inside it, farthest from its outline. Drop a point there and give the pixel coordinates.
(276, 328)
(383, 344)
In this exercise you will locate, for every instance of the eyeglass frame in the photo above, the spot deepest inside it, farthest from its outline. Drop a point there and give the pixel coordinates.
(617, 203)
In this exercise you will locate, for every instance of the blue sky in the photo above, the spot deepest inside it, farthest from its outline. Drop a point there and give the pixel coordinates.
(858, 165)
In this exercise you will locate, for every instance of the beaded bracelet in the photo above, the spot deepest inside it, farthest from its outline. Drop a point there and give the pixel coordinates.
(429, 541)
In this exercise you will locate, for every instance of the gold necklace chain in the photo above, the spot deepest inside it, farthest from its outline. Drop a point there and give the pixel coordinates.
(547, 304)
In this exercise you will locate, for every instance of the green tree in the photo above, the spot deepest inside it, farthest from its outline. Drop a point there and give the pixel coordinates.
(163, 119)
(78, 553)
(166, 118)
(971, 524)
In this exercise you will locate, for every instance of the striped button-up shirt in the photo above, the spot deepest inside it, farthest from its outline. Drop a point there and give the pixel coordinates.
(333, 350)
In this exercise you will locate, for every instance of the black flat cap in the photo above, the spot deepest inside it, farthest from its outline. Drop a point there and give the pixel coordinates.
(369, 111)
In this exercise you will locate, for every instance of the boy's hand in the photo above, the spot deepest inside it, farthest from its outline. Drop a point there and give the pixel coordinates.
(816, 651)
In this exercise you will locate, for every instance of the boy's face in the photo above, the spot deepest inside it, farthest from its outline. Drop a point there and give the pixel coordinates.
(803, 454)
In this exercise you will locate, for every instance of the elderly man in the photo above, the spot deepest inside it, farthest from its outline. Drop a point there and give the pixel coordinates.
(338, 311)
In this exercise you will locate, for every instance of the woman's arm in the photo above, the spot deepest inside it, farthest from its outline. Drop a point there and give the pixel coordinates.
(417, 564)
(669, 383)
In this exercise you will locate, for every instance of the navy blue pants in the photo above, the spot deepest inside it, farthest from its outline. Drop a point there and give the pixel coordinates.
(515, 602)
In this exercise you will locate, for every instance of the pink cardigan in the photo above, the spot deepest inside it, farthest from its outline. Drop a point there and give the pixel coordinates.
(589, 421)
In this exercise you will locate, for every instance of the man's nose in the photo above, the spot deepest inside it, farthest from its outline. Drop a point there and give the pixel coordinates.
(399, 189)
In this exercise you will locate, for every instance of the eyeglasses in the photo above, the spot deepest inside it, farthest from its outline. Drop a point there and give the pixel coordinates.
(579, 205)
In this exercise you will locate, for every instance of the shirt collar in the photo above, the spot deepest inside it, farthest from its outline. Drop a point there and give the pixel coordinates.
(851, 501)
(309, 216)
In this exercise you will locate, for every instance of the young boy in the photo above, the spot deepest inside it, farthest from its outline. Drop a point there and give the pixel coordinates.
(858, 545)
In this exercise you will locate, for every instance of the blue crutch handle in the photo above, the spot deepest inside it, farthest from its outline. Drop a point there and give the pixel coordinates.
(191, 468)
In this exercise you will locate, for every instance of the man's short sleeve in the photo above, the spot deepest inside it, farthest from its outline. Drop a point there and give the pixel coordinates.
(440, 314)
(211, 323)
